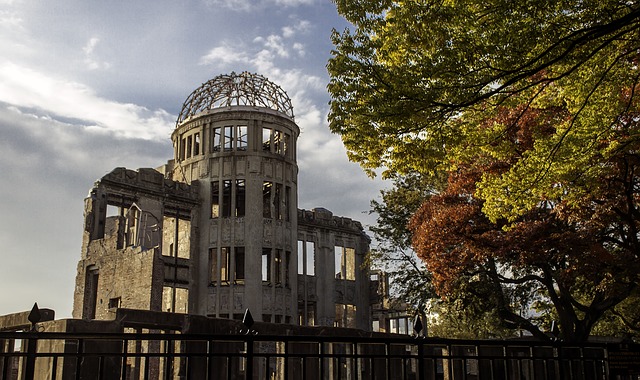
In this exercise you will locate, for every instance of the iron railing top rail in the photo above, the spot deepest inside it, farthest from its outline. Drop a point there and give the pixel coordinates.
(370, 339)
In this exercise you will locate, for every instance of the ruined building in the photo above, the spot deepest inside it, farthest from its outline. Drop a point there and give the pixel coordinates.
(217, 230)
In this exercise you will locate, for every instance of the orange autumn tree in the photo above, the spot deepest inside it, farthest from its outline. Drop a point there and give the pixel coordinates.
(569, 262)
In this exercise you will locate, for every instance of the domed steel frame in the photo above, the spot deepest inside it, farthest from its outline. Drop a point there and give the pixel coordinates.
(244, 89)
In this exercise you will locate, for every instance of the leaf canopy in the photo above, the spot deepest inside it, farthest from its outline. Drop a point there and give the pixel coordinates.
(415, 83)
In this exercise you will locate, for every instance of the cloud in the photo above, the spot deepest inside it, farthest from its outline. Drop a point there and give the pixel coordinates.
(90, 61)
(53, 166)
(30, 89)
(274, 43)
(302, 26)
(224, 55)
(253, 5)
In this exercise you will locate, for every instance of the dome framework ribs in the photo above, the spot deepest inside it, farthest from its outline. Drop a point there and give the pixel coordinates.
(244, 89)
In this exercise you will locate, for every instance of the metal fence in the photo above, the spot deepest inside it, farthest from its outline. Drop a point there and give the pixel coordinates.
(170, 355)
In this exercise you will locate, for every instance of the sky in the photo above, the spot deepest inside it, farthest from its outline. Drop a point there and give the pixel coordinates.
(87, 86)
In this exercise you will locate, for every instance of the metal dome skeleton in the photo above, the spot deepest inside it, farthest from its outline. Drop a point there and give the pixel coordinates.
(244, 89)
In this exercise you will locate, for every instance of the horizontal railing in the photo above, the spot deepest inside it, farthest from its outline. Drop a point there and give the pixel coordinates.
(158, 355)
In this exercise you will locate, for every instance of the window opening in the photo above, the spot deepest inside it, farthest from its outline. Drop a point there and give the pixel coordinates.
(215, 199)
(243, 140)
(277, 142)
(345, 316)
(239, 265)
(300, 257)
(310, 257)
(228, 138)
(345, 263)
(266, 264)
(189, 146)
(338, 262)
(240, 198)
(182, 148)
(266, 199)
(224, 264)
(266, 139)
(217, 140)
(226, 198)
(196, 144)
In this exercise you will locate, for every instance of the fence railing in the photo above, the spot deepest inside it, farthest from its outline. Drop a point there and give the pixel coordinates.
(158, 355)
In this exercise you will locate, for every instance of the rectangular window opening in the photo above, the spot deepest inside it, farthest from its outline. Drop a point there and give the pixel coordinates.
(189, 146)
(226, 198)
(310, 254)
(301, 266)
(240, 198)
(224, 264)
(266, 139)
(243, 140)
(215, 199)
(277, 142)
(239, 265)
(266, 199)
(196, 144)
(217, 140)
(228, 138)
(266, 264)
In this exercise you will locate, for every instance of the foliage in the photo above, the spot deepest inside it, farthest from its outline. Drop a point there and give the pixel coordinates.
(393, 254)
(574, 264)
(531, 108)
(459, 316)
(413, 84)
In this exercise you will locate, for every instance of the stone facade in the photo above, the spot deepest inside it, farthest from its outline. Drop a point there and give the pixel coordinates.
(217, 230)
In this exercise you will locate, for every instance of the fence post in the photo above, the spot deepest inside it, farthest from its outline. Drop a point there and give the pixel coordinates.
(32, 343)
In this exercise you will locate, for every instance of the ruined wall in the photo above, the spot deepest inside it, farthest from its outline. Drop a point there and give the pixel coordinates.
(122, 262)
(339, 290)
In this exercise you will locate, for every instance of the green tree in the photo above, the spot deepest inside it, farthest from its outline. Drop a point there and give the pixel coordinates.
(532, 109)
(415, 82)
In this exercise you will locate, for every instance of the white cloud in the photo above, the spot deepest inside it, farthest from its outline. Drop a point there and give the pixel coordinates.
(26, 88)
(91, 44)
(294, 3)
(223, 56)
(90, 61)
(253, 5)
(302, 26)
(299, 48)
(275, 44)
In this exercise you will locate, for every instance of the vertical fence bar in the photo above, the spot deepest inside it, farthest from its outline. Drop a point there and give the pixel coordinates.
(421, 370)
(286, 360)
(387, 347)
(79, 357)
(54, 368)
(30, 364)
(322, 358)
(125, 350)
(356, 360)
(249, 358)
